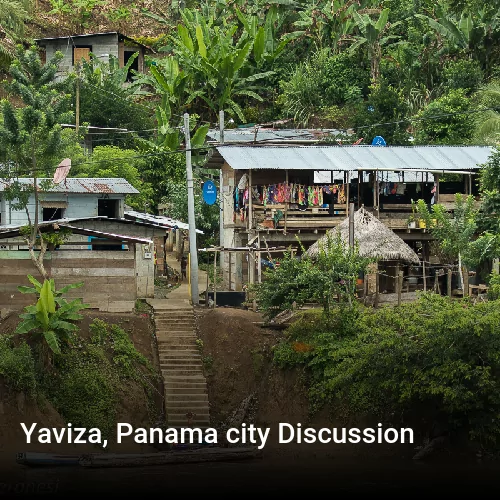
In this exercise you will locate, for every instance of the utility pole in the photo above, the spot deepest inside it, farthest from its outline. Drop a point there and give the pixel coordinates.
(77, 98)
(191, 217)
(221, 196)
(351, 227)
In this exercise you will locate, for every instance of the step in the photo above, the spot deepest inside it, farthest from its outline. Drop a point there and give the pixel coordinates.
(180, 370)
(185, 406)
(170, 351)
(183, 362)
(175, 320)
(182, 385)
(176, 333)
(181, 418)
(191, 390)
(178, 353)
(186, 398)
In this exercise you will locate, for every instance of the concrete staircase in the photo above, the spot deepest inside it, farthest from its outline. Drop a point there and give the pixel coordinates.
(181, 366)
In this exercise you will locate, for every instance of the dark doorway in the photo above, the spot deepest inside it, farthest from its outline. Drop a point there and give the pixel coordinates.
(52, 213)
(107, 208)
(135, 65)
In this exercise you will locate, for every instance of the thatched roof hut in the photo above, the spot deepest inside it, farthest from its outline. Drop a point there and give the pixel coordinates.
(374, 239)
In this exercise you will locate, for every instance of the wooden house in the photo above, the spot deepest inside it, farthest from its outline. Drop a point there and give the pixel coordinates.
(273, 193)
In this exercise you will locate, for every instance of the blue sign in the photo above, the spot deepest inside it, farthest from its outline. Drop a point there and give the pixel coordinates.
(209, 192)
(378, 141)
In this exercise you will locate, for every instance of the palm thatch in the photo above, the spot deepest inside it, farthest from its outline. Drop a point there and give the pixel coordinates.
(373, 238)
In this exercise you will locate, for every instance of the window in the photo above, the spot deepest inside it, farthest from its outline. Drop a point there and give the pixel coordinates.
(81, 52)
(135, 65)
(105, 244)
(107, 208)
(52, 213)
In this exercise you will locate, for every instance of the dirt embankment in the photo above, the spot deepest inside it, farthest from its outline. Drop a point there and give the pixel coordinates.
(132, 401)
(237, 358)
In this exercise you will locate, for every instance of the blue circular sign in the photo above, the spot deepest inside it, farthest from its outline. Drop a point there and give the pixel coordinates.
(209, 192)
(378, 141)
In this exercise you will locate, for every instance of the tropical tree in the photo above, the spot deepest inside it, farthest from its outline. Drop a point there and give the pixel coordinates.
(32, 142)
(455, 231)
(488, 122)
(106, 100)
(375, 35)
(52, 316)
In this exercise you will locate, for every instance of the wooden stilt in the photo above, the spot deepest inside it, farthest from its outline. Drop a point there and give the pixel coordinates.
(423, 275)
(400, 286)
(215, 278)
(448, 283)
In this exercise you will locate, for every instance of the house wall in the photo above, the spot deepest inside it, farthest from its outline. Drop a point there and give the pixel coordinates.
(79, 205)
(101, 45)
(112, 280)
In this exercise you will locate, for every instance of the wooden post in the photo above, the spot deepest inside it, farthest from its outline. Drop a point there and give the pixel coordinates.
(229, 267)
(436, 195)
(423, 275)
(178, 241)
(448, 283)
(286, 200)
(351, 226)
(215, 278)
(470, 183)
(365, 288)
(378, 195)
(436, 283)
(377, 286)
(206, 291)
(400, 285)
(250, 203)
(465, 273)
(347, 195)
(374, 191)
(396, 277)
(359, 188)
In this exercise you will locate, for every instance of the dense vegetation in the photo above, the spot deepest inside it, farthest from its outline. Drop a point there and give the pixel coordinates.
(436, 358)
(413, 71)
(85, 379)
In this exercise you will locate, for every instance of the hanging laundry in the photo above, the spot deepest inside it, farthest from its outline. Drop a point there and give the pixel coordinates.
(242, 184)
(401, 189)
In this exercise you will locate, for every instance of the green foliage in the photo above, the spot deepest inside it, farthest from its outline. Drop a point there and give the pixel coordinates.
(79, 12)
(445, 120)
(383, 113)
(106, 100)
(91, 375)
(207, 216)
(462, 74)
(323, 81)
(329, 278)
(494, 286)
(434, 353)
(454, 231)
(52, 316)
(17, 366)
(13, 15)
(111, 161)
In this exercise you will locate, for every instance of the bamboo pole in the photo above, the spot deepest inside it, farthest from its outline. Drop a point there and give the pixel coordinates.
(448, 283)
(215, 278)
(286, 200)
(250, 202)
(423, 275)
(400, 286)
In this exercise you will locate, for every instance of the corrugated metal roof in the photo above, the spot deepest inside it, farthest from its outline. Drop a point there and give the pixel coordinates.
(349, 158)
(160, 220)
(248, 134)
(80, 185)
(14, 231)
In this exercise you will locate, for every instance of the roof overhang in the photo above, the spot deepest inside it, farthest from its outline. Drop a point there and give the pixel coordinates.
(432, 159)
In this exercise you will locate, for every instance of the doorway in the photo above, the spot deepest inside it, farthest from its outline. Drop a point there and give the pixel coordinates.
(108, 208)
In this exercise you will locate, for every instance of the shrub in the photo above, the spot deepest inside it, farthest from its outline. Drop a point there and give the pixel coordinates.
(17, 366)
(434, 353)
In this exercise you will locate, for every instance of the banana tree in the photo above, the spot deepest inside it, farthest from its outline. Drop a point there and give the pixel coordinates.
(373, 33)
(52, 315)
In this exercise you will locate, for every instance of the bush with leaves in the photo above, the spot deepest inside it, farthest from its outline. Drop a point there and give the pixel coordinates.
(52, 315)
(434, 353)
(329, 278)
(17, 365)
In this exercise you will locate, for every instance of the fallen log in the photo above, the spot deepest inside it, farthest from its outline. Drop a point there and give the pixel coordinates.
(171, 457)
(40, 459)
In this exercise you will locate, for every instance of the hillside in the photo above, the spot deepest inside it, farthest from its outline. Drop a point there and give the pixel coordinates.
(94, 16)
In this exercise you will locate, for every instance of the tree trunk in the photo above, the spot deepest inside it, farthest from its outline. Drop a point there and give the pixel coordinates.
(376, 54)
(460, 273)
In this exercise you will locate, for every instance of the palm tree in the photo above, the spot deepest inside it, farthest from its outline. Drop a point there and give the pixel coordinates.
(13, 14)
(373, 33)
(488, 123)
